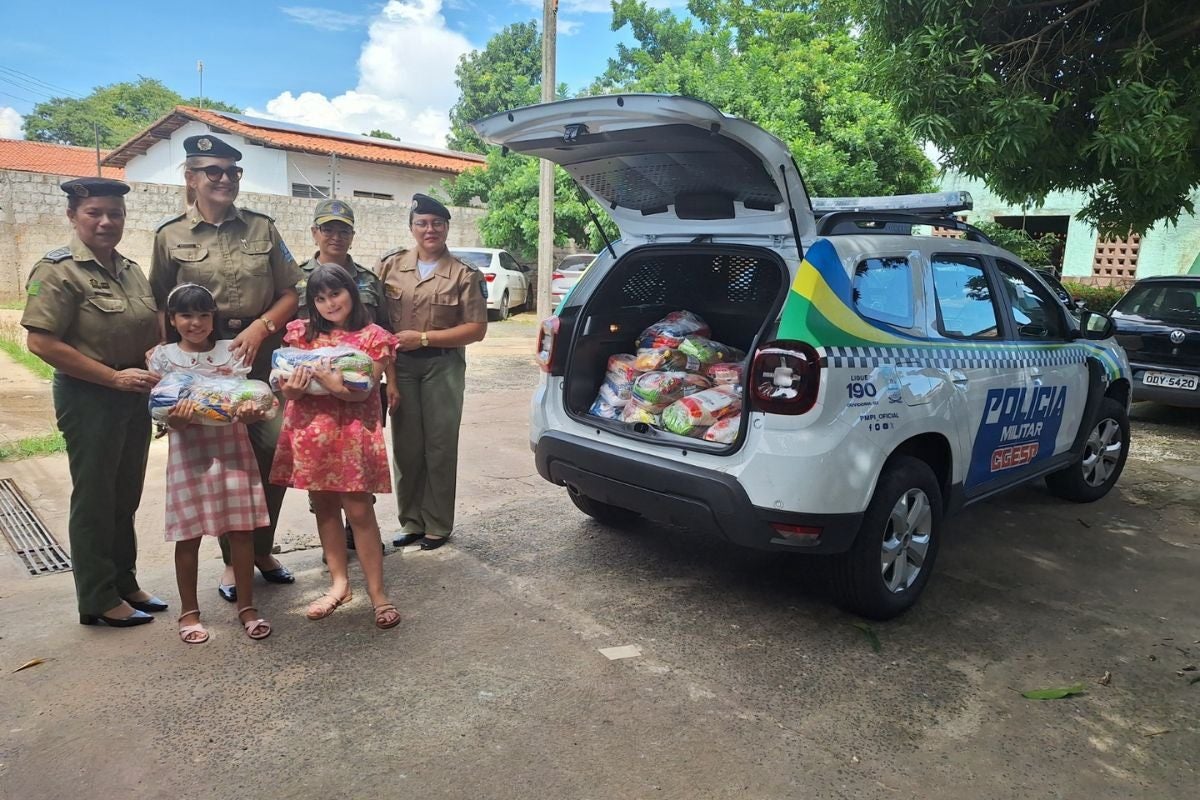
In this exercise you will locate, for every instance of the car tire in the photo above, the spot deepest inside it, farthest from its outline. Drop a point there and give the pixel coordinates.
(604, 513)
(1103, 459)
(502, 309)
(863, 580)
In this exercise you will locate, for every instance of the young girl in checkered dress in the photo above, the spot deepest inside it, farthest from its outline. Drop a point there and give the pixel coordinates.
(213, 483)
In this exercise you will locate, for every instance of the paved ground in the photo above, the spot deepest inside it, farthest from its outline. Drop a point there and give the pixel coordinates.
(749, 684)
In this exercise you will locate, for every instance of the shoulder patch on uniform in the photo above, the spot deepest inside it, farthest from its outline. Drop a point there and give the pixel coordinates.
(257, 213)
(34, 288)
(162, 223)
(58, 254)
(283, 248)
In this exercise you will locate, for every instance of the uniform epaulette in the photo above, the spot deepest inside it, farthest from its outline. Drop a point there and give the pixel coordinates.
(367, 270)
(397, 252)
(466, 264)
(58, 254)
(256, 213)
(162, 223)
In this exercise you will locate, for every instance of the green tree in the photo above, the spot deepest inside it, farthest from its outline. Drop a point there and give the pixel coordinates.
(381, 134)
(507, 73)
(795, 69)
(1100, 96)
(119, 109)
(1034, 252)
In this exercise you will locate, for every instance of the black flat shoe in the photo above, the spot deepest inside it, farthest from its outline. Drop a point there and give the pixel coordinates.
(280, 574)
(404, 540)
(136, 618)
(228, 592)
(151, 606)
(430, 543)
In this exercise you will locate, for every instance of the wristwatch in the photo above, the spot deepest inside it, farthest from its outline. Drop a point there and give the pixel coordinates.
(270, 323)
(424, 339)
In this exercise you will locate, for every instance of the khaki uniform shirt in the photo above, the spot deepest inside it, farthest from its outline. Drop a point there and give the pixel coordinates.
(452, 294)
(369, 289)
(243, 261)
(108, 315)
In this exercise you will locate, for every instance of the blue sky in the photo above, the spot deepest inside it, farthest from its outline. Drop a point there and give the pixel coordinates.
(345, 65)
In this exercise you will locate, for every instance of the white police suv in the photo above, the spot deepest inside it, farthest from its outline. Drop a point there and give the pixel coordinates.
(893, 378)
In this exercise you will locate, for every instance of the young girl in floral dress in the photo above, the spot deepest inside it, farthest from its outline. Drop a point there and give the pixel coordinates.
(332, 444)
(213, 483)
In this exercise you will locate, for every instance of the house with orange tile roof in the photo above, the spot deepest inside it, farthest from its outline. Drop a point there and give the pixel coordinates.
(280, 158)
(53, 159)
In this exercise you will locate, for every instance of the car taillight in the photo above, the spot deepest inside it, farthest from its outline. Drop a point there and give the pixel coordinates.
(558, 276)
(547, 334)
(489, 276)
(785, 377)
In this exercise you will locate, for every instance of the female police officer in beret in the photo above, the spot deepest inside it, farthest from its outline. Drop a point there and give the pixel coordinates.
(90, 314)
(239, 256)
(437, 307)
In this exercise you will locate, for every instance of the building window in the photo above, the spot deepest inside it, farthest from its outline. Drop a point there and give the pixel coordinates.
(308, 190)
(373, 195)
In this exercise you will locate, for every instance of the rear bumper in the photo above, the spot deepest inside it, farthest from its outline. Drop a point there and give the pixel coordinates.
(678, 494)
(1188, 398)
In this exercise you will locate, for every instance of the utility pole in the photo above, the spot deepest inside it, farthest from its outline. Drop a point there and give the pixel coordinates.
(200, 69)
(546, 182)
(96, 131)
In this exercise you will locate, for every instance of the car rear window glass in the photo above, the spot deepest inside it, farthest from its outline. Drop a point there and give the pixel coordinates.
(1172, 303)
(574, 262)
(477, 260)
(964, 298)
(883, 290)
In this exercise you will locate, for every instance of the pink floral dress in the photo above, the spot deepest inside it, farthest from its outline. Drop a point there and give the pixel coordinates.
(213, 484)
(332, 445)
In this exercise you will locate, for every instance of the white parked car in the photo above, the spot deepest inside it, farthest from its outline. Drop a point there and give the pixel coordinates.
(510, 284)
(567, 274)
(892, 377)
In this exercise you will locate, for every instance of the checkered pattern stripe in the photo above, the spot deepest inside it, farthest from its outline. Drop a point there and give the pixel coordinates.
(213, 483)
(959, 357)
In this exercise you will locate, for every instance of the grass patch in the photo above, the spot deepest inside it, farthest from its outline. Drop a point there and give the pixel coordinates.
(33, 447)
(12, 342)
(12, 305)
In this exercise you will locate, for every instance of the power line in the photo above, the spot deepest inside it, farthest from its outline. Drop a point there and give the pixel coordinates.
(25, 88)
(16, 97)
(51, 86)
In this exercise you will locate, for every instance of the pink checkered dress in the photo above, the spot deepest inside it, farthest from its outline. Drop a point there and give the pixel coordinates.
(213, 483)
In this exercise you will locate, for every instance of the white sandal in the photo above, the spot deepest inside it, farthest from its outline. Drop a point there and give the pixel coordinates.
(187, 630)
(254, 624)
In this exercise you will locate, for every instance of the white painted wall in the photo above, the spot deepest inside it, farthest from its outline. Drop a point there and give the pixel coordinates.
(266, 170)
(400, 182)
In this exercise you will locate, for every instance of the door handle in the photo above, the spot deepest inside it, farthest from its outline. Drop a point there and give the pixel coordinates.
(958, 377)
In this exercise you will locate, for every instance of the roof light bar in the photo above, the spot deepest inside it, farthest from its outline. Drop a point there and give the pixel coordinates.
(937, 203)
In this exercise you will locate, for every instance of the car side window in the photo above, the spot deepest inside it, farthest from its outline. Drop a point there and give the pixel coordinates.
(1035, 313)
(509, 263)
(883, 290)
(965, 307)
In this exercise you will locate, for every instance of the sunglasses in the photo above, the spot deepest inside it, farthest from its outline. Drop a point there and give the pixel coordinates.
(214, 173)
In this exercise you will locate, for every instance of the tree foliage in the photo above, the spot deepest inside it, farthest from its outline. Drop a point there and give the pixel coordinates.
(793, 68)
(507, 73)
(1100, 96)
(121, 110)
(1034, 252)
(378, 133)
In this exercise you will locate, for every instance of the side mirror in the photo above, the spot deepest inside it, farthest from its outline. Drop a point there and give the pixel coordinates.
(1094, 325)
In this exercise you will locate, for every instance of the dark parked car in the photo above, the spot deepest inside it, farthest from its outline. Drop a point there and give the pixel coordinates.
(1158, 324)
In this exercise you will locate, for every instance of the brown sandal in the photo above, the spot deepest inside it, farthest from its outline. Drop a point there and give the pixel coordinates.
(381, 616)
(326, 604)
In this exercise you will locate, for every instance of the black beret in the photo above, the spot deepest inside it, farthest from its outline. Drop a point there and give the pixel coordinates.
(424, 204)
(94, 187)
(208, 145)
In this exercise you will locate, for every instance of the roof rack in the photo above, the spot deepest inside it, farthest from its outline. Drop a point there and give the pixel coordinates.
(941, 204)
(842, 223)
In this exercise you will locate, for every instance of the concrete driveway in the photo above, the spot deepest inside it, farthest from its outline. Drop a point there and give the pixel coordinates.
(749, 683)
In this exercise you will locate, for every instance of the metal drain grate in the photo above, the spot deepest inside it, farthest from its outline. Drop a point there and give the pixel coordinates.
(30, 540)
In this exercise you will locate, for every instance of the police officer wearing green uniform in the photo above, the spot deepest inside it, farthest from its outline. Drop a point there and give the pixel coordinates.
(437, 307)
(90, 314)
(239, 256)
(333, 234)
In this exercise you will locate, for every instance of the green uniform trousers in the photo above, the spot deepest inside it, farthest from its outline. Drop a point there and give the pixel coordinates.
(107, 433)
(425, 439)
(263, 438)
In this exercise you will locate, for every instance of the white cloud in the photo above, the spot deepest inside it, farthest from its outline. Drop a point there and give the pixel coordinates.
(405, 79)
(11, 123)
(568, 27)
(323, 18)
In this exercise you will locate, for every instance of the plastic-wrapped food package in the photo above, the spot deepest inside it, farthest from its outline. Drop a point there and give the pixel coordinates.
(673, 329)
(707, 351)
(622, 368)
(217, 399)
(723, 373)
(614, 394)
(701, 410)
(660, 358)
(637, 410)
(354, 365)
(604, 410)
(724, 431)
(659, 388)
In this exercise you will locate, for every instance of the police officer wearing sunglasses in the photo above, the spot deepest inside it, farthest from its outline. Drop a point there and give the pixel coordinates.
(239, 256)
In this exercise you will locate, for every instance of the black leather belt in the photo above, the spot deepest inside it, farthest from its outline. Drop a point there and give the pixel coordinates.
(428, 352)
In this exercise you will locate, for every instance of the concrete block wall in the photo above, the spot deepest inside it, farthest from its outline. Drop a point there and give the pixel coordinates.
(33, 221)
